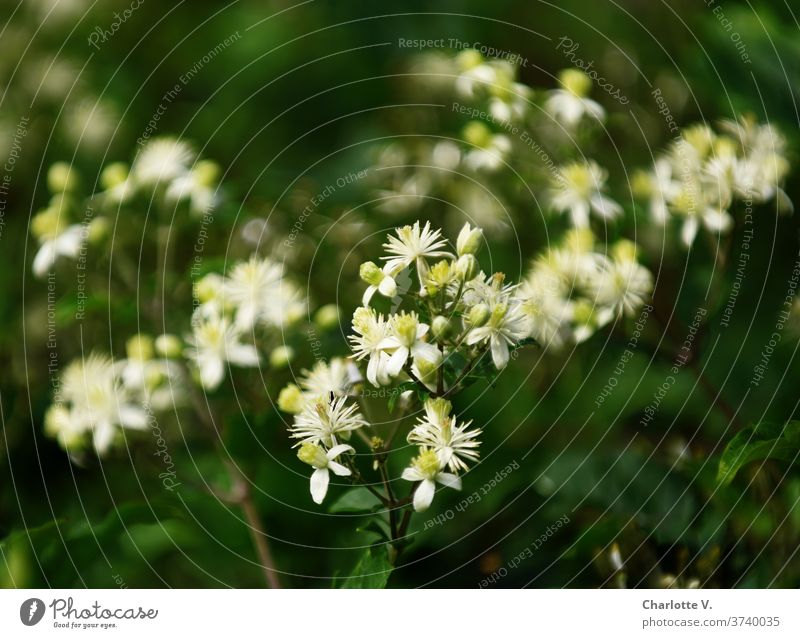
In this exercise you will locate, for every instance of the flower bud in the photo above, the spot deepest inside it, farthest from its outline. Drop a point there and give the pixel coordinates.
(313, 455)
(624, 250)
(427, 371)
(114, 175)
(62, 178)
(469, 240)
(477, 133)
(327, 317)
(140, 347)
(469, 59)
(98, 230)
(281, 356)
(371, 273)
(291, 399)
(48, 224)
(207, 173)
(441, 327)
(575, 81)
(169, 346)
(208, 288)
(478, 315)
(467, 267)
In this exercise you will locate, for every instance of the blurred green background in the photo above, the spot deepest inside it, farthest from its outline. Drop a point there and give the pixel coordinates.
(300, 98)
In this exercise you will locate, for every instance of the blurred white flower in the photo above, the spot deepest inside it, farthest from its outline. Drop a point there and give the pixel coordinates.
(162, 160)
(56, 239)
(569, 105)
(578, 190)
(214, 342)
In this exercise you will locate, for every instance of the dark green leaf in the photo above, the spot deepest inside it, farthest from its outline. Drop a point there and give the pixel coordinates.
(372, 570)
(358, 499)
(757, 443)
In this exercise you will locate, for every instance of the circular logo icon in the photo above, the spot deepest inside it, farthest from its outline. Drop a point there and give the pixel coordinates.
(31, 611)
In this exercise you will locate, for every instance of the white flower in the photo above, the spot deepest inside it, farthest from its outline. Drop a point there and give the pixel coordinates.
(193, 188)
(548, 311)
(56, 239)
(698, 204)
(622, 285)
(414, 245)
(338, 376)
(98, 400)
(570, 104)
(427, 469)
(379, 280)
(251, 287)
(578, 190)
(507, 325)
(323, 463)
(405, 340)
(371, 331)
(161, 161)
(490, 156)
(437, 430)
(214, 342)
(324, 421)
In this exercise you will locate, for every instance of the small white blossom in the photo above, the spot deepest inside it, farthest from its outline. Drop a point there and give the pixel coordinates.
(326, 422)
(214, 342)
(578, 190)
(414, 245)
(323, 463)
(161, 161)
(437, 430)
(427, 470)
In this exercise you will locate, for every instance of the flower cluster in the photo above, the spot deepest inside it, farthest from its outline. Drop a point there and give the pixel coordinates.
(703, 173)
(254, 297)
(572, 289)
(451, 322)
(166, 172)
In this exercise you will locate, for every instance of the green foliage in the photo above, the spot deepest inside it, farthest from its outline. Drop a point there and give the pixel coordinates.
(759, 442)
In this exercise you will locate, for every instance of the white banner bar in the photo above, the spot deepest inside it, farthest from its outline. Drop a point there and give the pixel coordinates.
(335, 613)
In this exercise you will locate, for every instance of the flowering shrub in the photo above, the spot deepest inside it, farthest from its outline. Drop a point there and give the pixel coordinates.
(376, 421)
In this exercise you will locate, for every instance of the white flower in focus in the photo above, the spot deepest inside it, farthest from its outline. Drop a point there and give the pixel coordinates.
(507, 325)
(570, 105)
(371, 331)
(214, 341)
(161, 161)
(578, 190)
(427, 470)
(379, 280)
(323, 463)
(337, 376)
(414, 245)
(405, 340)
(437, 430)
(324, 421)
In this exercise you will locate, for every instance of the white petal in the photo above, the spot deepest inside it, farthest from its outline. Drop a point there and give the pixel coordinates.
(368, 294)
(605, 207)
(689, 231)
(387, 287)
(412, 474)
(44, 260)
(580, 215)
(717, 220)
(132, 417)
(337, 450)
(449, 480)
(211, 372)
(397, 361)
(338, 469)
(103, 437)
(424, 495)
(319, 485)
(242, 354)
(499, 352)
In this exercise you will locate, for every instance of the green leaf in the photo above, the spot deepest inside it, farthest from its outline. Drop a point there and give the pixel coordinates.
(358, 499)
(372, 570)
(759, 442)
